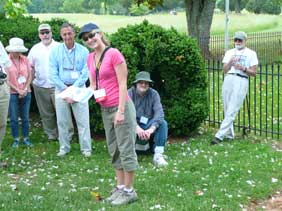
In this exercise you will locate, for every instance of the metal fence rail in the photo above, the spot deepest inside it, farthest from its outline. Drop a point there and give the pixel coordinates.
(268, 46)
(263, 100)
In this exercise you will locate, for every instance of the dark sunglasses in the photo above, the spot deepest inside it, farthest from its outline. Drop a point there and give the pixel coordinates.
(90, 35)
(45, 32)
(238, 40)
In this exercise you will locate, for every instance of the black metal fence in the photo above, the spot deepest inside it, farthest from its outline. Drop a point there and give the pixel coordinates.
(268, 46)
(261, 111)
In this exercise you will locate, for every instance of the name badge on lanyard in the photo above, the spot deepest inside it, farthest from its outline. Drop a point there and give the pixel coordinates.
(74, 74)
(21, 79)
(100, 95)
(144, 120)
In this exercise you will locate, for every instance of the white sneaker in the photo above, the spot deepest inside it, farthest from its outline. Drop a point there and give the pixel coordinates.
(62, 153)
(114, 194)
(125, 198)
(86, 154)
(159, 160)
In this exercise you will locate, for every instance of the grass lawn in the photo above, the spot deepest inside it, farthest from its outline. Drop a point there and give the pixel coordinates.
(110, 23)
(198, 177)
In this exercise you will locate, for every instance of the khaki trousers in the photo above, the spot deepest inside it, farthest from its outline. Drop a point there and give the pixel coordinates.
(4, 106)
(45, 99)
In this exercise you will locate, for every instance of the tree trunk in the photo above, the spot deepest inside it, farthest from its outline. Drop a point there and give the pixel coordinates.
(199, 15)
(237, 6)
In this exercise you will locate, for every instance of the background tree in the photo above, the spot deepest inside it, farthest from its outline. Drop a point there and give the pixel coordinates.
(14, 8)
(73, 6)
(234, 5)
(262, 6)
(199, 14)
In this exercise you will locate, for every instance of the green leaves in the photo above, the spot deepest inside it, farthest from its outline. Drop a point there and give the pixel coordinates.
(15, 8)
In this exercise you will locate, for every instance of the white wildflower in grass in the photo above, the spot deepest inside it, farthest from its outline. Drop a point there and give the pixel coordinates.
(274, 180)
(43, 188)
(199, 193)
(214, 206)
(249, 171)
(13, 186)
(210, 161)
(89, 171)
(251, 183)
(157, 206)
(37, 197)
(72, 190)
(55, 167)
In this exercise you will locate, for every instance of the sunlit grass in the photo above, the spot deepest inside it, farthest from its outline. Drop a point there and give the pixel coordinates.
(110, 23)
(198, 177)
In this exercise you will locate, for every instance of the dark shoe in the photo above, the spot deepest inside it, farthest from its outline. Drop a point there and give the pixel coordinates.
(3, 165)
(215, 141)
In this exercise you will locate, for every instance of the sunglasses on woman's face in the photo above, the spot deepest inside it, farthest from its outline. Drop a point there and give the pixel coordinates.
(90, 35)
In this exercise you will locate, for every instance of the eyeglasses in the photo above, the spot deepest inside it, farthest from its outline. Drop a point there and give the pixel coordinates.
(44, 32)
(90, 35)
(238, 40)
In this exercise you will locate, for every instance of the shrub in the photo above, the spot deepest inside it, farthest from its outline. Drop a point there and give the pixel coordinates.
(136, 10)
(175, 64)
(26, 29)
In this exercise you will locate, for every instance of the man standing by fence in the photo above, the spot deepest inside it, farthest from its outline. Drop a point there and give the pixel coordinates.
(238, 64)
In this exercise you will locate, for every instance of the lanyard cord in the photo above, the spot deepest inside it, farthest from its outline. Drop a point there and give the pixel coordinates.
(73, 60)
(99, 65)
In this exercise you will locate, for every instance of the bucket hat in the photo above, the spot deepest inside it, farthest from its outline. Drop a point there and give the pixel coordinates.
(16, 45)
(143, 76)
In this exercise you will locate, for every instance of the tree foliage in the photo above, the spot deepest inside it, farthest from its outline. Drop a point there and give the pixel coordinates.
(14, 8)
(262, 6)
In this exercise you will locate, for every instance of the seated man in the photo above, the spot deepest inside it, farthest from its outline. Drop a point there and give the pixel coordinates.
(151, 126)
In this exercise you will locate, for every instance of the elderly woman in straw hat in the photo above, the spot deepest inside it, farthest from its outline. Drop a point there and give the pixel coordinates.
(19, 79)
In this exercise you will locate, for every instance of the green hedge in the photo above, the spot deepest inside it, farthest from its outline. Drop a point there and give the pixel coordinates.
(173, 59)
(176, 66)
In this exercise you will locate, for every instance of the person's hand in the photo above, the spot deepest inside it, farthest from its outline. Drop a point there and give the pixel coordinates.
(233, 60)
(149, 132)
(69, 100)
(22, 93)
(238, 66)
(119, 118)
(141, 133)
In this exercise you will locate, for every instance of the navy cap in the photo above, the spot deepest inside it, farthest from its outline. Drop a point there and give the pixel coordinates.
(87, 28)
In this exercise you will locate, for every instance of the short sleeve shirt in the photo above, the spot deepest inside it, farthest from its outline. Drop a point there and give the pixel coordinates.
(107, 75)
(247, 58)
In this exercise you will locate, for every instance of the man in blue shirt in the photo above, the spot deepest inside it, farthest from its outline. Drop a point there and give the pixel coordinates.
(68, 67)
(151, 126)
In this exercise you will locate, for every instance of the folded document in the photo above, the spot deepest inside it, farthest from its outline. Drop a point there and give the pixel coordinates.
(77, 94)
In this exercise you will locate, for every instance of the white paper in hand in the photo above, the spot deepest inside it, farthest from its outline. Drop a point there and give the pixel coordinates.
(77, 94)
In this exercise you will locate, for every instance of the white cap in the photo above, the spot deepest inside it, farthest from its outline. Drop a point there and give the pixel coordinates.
(44, 26)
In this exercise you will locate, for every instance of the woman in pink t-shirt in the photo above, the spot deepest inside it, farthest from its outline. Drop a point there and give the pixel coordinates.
(19, 79)
(108, 77)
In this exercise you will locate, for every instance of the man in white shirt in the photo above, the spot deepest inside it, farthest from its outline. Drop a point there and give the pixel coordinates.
(44, 90)
(4, 96)
(238, 64)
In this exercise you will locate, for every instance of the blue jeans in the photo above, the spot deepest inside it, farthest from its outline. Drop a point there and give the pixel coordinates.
(160, 135)
(19, 105)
